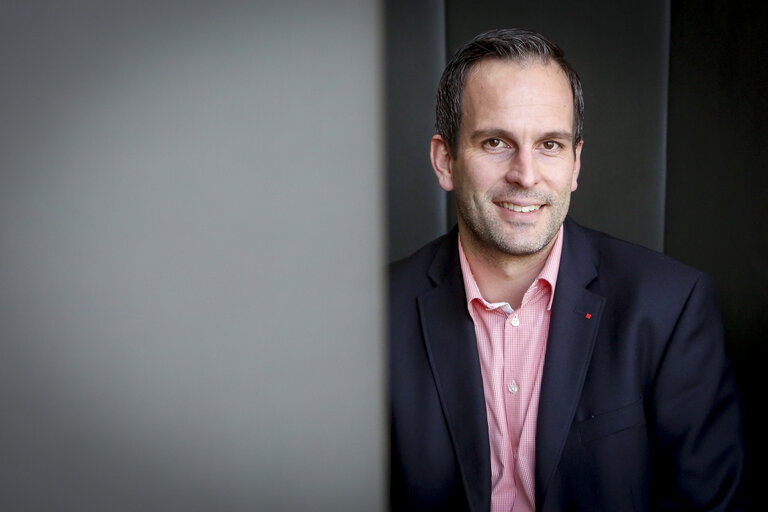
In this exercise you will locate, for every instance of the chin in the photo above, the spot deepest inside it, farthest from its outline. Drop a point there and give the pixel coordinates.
(522, 250)
(525, 246)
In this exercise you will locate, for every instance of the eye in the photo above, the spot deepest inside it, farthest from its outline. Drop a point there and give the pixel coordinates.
(494, 144)
(551, 145)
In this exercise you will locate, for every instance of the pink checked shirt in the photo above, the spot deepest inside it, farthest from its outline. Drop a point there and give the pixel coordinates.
(511, 346)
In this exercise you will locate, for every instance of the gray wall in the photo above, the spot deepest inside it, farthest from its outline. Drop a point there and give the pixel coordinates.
(184, 322)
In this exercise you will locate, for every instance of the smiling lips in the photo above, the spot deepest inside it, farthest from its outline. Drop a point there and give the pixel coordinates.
(517, 208)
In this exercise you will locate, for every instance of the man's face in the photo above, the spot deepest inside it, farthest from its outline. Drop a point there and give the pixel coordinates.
(515, 165)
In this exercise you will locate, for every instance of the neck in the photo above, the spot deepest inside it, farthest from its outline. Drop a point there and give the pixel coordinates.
(503, 277)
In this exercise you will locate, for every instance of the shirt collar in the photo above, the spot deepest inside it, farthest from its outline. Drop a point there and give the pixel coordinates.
(548, 272)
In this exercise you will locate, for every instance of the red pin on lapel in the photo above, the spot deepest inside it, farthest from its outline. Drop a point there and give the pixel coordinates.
(588, 316)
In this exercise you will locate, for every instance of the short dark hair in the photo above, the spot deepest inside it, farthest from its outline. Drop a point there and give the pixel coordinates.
(512, 44)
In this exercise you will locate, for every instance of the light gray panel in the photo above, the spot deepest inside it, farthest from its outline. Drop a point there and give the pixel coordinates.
(621, 52)
(415, 60)
(185, 324)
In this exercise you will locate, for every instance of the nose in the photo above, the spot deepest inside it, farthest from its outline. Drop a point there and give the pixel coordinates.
(522, 169)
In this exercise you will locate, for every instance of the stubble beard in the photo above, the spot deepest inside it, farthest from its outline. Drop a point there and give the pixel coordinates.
(492, 235)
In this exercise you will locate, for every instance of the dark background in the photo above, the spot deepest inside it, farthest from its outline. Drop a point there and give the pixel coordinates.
(674, 158)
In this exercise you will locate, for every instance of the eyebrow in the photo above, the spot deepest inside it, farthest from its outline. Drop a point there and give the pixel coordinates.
(558, 135)
(491, 133)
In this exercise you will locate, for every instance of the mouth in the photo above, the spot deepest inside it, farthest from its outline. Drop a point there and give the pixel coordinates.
(518, 208)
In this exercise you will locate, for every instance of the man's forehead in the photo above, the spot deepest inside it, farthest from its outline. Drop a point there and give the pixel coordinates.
(496, 86)
(511, 62)
(505, 72)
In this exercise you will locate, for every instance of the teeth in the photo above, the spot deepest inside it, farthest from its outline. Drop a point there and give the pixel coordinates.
(517, 208)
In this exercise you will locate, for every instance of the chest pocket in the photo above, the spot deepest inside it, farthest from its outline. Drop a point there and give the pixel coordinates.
(612, 422)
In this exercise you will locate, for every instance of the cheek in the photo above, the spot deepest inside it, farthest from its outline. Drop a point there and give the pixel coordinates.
(461, 181)
(478, 176)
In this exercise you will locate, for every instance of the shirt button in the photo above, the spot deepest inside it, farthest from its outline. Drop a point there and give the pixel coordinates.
(513, 387)
(515, 321)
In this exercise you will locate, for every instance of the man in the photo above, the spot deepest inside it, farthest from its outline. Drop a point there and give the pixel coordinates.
(536, 364)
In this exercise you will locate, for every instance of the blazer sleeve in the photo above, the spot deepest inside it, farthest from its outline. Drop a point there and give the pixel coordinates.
(697, 428)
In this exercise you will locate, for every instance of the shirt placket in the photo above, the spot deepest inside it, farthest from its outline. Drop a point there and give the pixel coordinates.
(514, 381)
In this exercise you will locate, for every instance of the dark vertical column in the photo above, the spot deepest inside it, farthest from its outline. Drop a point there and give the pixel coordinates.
(717, 207)
(415, 59)
(620, 51)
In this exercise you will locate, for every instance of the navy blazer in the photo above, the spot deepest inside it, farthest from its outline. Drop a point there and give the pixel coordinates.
(638, 408)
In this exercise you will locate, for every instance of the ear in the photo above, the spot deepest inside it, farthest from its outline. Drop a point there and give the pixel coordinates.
(442, 162)
(576, 167)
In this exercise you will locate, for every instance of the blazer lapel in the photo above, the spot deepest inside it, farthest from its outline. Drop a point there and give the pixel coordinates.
(452, 350)
(573, 327)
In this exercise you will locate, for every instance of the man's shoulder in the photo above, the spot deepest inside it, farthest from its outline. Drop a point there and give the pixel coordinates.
(623, 261)
(416, 266)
